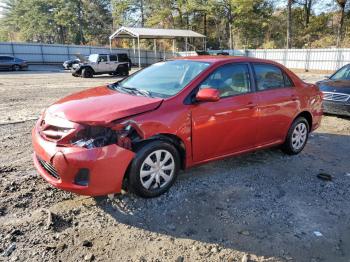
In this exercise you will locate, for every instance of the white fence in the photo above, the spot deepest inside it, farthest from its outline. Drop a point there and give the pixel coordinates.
(45, 53)
(306, 59)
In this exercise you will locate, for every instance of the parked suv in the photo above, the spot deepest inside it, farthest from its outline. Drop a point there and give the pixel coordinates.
(98, 64)
(172, 115)
(12, 63)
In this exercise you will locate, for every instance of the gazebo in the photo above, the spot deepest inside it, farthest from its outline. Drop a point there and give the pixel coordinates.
(154, 33)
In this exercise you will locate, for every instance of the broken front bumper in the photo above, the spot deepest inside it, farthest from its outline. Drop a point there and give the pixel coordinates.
(93, 172)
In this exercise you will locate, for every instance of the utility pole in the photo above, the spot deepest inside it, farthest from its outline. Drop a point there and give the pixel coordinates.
(289, 23)
(142, 14)
(231, 40)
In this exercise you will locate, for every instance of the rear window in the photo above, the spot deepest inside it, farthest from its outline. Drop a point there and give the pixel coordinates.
(6, 58)
(113, 58)
(123, 57)
(268, 77)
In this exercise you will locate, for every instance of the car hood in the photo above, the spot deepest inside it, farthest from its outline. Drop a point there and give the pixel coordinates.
(101, 105)
(82, 58)
(339, 86)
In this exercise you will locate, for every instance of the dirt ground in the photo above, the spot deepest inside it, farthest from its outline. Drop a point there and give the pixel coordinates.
(264, 206)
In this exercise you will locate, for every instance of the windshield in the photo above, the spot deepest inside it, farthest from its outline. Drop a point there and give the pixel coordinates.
(165, 79)
(342, 74)
(93, 58)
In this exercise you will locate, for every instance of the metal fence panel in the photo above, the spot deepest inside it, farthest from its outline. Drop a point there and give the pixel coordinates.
(328, 59)
(45, 53)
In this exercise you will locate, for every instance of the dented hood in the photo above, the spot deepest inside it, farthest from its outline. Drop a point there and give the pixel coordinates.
(101, 105)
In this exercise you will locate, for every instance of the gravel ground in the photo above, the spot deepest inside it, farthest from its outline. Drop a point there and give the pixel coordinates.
(264, 206)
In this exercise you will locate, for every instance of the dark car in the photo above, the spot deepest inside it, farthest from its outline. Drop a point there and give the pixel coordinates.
(69, 63)
(12, 63)
(336, 92)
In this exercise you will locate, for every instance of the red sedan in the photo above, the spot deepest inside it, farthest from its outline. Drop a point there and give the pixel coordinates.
(139, 132)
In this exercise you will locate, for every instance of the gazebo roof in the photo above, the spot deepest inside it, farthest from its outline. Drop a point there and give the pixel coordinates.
(154, 33)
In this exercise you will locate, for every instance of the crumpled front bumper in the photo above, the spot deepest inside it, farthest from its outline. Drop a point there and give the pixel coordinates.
(60, 166)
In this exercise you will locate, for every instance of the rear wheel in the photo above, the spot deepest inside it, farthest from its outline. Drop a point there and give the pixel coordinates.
(16, 68)
(122, 70)
(87, 73)
(154, 169)
(297, 136)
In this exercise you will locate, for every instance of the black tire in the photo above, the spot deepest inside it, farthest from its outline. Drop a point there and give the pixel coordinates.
(122, 70)
(126, 72)
(145, 151)
(87, 73)
(289, 146)
(16, 68)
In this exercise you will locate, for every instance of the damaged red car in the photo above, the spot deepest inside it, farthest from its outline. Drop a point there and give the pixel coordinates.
(140, 131)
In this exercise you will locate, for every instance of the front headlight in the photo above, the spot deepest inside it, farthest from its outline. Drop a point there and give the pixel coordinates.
(92, 137)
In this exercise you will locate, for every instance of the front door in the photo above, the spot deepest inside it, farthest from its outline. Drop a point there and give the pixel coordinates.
(102, 64)
(228, 125)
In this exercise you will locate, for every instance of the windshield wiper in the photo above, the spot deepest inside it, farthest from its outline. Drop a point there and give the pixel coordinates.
(136, 90)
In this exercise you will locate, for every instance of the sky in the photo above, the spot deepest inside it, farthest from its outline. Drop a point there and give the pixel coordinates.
(321, 6)
(1, 9)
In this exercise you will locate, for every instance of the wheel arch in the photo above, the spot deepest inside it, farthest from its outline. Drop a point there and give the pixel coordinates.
(172, 139)
(85, 67)
(308, 116)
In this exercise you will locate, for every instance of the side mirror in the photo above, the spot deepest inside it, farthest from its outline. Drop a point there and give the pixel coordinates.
(208, 95)
(327, 77)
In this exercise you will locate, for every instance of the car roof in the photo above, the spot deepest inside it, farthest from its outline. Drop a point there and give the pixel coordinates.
(223, 59)
(111, 54)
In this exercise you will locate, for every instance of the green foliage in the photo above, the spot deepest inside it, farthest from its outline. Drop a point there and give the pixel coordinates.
(59, 21)
(250, 23)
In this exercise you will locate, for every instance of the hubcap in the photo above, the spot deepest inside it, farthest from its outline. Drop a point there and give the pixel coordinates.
(299, 136)
(157, 169)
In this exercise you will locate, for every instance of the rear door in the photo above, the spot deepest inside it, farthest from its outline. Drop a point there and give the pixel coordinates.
(277, 103)
(113, 62)
(228, 125)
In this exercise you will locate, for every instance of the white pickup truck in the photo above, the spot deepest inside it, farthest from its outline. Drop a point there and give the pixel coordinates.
(98, 64)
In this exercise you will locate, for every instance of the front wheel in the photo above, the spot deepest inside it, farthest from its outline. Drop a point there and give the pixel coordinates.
(297, 136)
(87, 73)
(16, 68)
(154, 169)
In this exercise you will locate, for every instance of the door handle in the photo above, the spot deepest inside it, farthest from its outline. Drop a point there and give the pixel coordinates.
(294, 97)
(251, 105)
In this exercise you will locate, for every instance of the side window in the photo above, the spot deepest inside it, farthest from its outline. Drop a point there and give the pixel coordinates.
(287, 81)
(102, 58)
(113, 58)
(268, 77)
(230, 80)
(5, 58)
(123, 57)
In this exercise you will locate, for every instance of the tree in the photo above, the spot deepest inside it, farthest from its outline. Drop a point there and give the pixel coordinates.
(56, 21)
(289, 23)
(341, 4)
